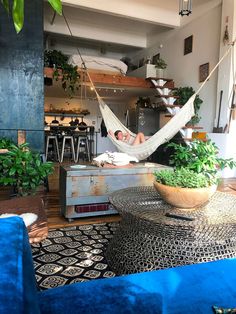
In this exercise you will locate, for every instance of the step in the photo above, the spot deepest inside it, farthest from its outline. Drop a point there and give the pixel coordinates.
(167, 96)
(161, 82)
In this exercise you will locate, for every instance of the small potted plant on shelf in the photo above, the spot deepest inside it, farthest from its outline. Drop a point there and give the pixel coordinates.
(160, 67)
(194, 178)
(21, 168)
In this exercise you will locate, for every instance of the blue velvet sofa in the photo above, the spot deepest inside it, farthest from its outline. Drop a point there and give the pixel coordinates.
(188, 289)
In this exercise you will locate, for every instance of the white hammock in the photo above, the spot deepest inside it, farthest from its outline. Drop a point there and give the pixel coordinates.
(143, 150)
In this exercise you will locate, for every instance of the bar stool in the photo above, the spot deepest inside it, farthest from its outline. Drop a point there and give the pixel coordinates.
(80, 140)
(53, 139)
(70, 139)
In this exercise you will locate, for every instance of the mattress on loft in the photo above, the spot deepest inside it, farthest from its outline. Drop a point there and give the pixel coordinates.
(100, 63)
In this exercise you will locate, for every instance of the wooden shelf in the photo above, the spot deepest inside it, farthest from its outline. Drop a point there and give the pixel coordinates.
(57, 114)
(193, 127)
(193, 139)
(110, 79)
(167, 96)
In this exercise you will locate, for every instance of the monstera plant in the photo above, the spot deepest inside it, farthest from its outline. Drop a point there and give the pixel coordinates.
(16, 9)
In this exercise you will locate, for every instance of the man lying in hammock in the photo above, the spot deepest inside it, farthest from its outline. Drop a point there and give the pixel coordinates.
(125, 137)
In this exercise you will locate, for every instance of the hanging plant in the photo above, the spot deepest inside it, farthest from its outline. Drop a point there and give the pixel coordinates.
(184, 93)
(17, 10)
(67, 73)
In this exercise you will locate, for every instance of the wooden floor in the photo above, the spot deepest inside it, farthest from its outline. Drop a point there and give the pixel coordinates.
(52, 206)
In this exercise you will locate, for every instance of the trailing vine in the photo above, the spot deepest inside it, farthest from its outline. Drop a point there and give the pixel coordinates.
(67, 73)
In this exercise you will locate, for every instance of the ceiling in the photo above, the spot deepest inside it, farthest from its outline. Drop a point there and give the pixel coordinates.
(117, 25)
(99, 29)
(111, 28)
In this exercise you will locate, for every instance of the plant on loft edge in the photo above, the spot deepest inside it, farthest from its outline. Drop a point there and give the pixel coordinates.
(196, 167)
(160, 64)
(21, 168)
(184, 93)
(17, 11)
(67, 73)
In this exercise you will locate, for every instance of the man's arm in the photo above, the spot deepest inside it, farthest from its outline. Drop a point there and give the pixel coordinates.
(111, 133)
(127, 137)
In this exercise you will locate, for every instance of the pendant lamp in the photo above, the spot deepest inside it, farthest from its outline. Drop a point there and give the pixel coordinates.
(185, 7)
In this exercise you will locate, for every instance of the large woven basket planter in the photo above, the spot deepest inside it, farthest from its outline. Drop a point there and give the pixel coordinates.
(184, 197)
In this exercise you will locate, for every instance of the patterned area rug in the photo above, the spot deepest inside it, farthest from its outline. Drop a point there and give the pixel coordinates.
(73, 254)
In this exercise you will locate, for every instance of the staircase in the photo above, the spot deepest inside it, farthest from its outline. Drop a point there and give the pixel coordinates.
(165, 89)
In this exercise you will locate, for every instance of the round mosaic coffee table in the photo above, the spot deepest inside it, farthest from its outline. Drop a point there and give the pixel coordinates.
(155, 235)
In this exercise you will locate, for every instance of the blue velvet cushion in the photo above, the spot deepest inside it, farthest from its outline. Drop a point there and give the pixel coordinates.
(181, 290)
(18, 292)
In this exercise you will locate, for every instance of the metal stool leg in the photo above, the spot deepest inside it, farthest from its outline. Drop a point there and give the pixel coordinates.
(72, 148)
(87, 145)
(63, 148)
(77, 150)
(57, 149)
(46, 150)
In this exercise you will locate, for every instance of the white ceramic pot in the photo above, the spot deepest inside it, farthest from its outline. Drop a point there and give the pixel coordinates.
(159, 73)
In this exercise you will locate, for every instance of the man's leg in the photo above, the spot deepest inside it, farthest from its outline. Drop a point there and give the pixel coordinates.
(140, 138)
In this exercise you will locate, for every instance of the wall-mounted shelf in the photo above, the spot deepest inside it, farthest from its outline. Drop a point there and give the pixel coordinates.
(57, 114)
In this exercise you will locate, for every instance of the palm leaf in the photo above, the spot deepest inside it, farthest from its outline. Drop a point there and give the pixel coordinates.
(18, 14)
(56, 4)
(5, 3)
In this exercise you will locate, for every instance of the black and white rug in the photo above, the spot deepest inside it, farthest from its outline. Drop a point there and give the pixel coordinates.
(73, 254)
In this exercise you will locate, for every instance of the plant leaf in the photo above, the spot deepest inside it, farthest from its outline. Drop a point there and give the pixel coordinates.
(18, 14)
(56, 4)
(5, 3)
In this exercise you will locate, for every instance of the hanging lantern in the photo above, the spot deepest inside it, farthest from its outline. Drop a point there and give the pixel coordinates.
(185, 7)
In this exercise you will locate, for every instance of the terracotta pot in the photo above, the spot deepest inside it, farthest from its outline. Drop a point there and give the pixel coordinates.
(184, 197)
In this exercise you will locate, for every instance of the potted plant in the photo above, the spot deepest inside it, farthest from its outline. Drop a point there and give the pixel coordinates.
(194, 178)
(62, 70)
(184, 93)
(22, 168)
(160, 67)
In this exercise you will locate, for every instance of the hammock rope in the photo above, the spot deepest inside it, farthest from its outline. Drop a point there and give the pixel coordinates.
(171, 128)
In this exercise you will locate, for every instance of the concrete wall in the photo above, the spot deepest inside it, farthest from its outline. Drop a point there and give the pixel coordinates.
(21, 79)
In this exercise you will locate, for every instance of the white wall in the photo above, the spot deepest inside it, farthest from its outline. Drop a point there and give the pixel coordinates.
(227, 149)
(184, 69)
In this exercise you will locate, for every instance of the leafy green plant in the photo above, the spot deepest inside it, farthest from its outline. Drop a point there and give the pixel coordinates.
(200, 157)
(22, 168)
(161, 64)
(62, 70)
(6, 143)
(182, 177)
(17, 10)
(184, 93)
